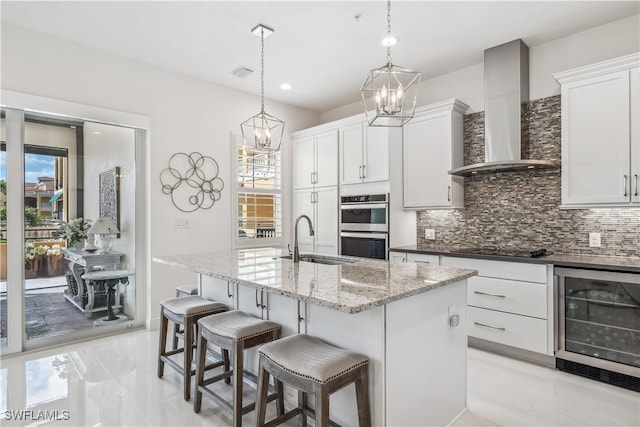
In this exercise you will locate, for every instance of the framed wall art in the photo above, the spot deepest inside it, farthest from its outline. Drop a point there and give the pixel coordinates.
(110, 195)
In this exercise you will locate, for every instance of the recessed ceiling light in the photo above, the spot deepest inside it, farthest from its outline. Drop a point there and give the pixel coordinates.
(285, 86)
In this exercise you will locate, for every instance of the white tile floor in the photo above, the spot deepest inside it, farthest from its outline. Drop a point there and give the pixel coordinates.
(112, 381)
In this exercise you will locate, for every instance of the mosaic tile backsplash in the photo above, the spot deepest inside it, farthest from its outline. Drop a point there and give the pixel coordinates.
(521, 210)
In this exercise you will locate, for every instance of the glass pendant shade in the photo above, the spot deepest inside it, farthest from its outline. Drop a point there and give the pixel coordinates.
(263, 131)
(389, 95)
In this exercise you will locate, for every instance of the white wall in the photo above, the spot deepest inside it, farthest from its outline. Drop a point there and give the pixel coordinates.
(186, 115)
(597, 44)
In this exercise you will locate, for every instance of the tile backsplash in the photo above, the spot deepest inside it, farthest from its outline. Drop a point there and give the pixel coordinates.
(522, 209)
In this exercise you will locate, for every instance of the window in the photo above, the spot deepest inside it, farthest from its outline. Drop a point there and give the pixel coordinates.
(259, 197)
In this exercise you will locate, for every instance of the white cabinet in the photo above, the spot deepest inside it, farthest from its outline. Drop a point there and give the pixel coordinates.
(321, 205)
(397, 256)
(510, 303)
(423, 258)
(432, 145)
(220, 291)
(601, 134)
(316, 160)
(364, 153)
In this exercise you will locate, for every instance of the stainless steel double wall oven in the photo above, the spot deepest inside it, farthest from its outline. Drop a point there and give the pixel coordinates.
(364, 226)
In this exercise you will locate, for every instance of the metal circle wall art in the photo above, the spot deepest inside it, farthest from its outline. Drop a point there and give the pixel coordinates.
(192, 181)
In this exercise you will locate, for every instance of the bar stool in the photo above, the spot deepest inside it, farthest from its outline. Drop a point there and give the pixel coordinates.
(182, 291)
(183, 311)
(311, 366)
(186, 290)
(232, 331)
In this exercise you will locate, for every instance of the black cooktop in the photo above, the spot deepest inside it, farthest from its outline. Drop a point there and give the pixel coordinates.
(537, 253)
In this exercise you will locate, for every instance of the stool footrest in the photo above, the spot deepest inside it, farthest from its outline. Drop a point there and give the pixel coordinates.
(245, 409)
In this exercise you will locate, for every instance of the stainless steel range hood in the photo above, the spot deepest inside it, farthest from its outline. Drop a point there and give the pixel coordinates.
(506, 88)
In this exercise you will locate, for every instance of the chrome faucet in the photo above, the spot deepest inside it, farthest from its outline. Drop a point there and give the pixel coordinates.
(296, 253)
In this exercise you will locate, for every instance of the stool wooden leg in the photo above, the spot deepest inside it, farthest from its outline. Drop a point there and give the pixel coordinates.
(238, 367)
(322, 406)
(188, 356)
(162, 348)
(280, 391)
(225, 361)
(200, 368)
(261, 396)
(176, 329)
(362, 395)
(302, 404)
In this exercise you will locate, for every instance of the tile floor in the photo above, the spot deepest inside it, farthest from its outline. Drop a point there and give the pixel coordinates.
(112, 381)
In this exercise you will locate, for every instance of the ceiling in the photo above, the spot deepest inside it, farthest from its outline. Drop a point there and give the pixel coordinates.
(324, 49)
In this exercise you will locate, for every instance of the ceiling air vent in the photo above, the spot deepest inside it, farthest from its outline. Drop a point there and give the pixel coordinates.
(242, 72)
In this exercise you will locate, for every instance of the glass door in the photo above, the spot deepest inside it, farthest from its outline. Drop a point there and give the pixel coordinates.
(55, 174)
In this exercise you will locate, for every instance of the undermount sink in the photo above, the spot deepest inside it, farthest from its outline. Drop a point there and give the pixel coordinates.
(321, 259)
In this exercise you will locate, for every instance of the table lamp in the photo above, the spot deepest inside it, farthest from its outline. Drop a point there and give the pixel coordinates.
(103, 228)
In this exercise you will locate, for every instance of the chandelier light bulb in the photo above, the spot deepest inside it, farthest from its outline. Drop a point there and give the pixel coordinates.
(389, 40)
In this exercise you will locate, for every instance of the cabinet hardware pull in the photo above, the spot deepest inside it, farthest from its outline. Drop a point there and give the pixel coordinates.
(311, 177)
(489, 326)
(229, 294)
(360, 172)
(315, 180)
(364, 175)
(491, 295)
(421, 262)
(257, 303)
(625, 186)
(635, 176)
(315, 197)
(449, 193)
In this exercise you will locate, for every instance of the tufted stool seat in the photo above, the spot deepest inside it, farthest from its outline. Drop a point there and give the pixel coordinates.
(312, 366)
(232, 331)
(183, 311)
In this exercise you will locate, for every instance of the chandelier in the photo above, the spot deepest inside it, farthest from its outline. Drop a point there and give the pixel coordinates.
(389, 93)
(262, 131)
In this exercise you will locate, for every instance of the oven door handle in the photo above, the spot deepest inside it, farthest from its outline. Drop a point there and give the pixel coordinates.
(364, 235)
(364, 206)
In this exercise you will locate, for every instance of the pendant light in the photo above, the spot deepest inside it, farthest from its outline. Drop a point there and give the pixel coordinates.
(262, 131)
(389, 93)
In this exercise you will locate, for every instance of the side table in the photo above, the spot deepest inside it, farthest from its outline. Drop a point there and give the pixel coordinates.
(111, 279)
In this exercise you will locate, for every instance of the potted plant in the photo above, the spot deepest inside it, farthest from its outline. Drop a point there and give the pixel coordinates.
(54, 261)
(75, 232)
(41, 252)
(31, 262)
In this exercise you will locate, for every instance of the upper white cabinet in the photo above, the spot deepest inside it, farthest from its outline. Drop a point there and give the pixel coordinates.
(432, 145)
(321, 206)
(315, 160)
(364, 153)
(601, 134)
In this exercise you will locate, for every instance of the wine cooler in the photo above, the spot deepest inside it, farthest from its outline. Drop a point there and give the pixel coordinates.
(599, 325)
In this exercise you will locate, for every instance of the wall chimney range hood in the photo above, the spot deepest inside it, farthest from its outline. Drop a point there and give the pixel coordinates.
(506, 88)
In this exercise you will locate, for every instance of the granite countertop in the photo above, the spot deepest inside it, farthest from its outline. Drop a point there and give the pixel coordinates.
(616, 263)
(351, 287)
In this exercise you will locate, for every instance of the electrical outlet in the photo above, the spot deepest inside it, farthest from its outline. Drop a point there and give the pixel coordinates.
(430, 234)
(182, 223)
(594, 240)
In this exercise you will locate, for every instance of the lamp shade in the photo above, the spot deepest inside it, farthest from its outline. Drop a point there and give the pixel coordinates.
(104, 225)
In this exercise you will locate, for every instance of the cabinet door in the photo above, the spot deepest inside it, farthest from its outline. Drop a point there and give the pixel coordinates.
(595, 140)
(326, 159)
(326, 220)
(219, 290)
(635, 134)
(351, 139)
(284, 311)
(398, 256)
(376, 154)
(303, 203)
(427, 159)
(304, 162)
(251, 300)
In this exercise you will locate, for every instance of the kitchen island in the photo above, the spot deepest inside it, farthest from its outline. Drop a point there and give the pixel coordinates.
(409, 319)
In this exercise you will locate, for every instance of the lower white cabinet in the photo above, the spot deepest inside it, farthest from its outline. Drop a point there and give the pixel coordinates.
(423, 258)
(509, 303)
(219, 290)
(397, 256)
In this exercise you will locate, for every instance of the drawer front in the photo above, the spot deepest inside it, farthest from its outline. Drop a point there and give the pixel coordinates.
(526, 298)
(423, 258)
(501, 269)
(397, 256)
(523, 332)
